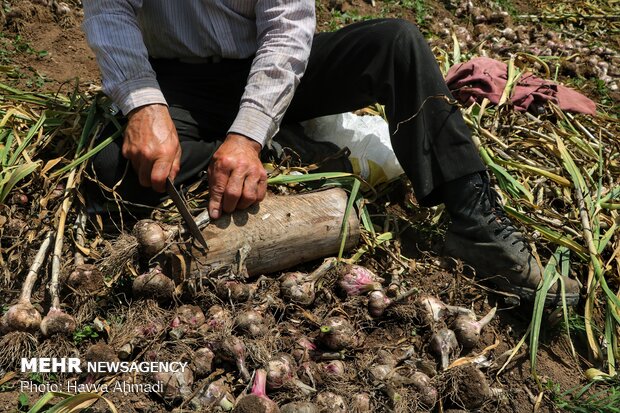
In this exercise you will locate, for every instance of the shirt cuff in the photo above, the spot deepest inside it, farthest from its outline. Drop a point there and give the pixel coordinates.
(135, 93)
(254, 124)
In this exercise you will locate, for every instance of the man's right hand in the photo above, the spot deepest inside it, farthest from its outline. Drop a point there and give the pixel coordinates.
(152, 145)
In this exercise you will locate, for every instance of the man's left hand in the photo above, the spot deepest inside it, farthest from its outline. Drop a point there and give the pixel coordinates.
(237, 178)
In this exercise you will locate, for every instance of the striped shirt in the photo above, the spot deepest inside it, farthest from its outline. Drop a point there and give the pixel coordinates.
(277, 33)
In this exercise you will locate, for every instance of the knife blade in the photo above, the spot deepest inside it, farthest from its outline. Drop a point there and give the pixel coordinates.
(187, 217)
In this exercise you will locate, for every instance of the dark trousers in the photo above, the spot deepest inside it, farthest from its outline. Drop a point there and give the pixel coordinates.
(386, 61)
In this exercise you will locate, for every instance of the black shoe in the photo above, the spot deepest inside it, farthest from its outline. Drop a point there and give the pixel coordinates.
(483, 236)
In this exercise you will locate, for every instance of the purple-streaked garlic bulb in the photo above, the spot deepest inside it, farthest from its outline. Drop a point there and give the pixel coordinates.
(188, 318)
(281, 372)
(299, 288)
(233, 349)
(300, 407)
(57, 322)
(427, 392)
(235, 291)
(175, 385)
(216, 394)
(303, 349)
(250, 323)
(467, 329)
(361, 403)
(379, 302)
(218, 319)
(331, 402)
(202, 362)
(432, 310)
(23, 316)
(85, 278)
(152, 236)
(154, 284)
(296, 287)
(358, 280)
(444, 345)
(334, 368)
(257, 401)
(337, 334)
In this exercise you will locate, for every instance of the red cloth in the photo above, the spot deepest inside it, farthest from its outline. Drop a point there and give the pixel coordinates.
(483, 77)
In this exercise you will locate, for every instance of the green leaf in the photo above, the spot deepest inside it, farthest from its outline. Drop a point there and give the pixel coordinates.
(22, 399)
(554, 177)
(347, 212)
(378, 240)
(19, 173)
(550, 276)
(87, 155)
(549, 233)
(71, 403)
(312, 177)
(6, 149)
(456, 54)
(513, 76)
(31, 133)
(366, 221)
(603, 242)
(45, 399)
(505, 180)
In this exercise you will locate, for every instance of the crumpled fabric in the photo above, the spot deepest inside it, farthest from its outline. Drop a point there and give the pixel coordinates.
(483, 77)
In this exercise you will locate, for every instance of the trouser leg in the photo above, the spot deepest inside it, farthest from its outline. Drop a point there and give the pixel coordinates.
(388, 61)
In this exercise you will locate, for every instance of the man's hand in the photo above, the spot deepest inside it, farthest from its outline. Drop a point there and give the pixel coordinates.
(237, 178)
(152, 146)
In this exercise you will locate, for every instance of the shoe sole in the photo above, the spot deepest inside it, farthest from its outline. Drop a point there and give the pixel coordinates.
(529, 294)
(525, 293)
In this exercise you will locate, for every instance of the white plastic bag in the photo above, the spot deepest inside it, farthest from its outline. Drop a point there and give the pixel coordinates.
(367, 137)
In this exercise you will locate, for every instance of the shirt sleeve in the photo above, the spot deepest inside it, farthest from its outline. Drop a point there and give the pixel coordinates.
(112, 31)
(285, 30)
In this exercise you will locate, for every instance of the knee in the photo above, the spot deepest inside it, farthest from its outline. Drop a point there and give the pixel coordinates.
(398, 30)
(403, 33)
(401, 40)
(109, 165)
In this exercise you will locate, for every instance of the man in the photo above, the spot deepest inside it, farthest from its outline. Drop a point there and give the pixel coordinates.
(207, 84)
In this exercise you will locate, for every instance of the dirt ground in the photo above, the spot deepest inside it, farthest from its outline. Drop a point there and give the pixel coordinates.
(42, 48)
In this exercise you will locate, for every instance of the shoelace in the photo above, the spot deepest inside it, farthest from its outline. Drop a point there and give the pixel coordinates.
(498, 214)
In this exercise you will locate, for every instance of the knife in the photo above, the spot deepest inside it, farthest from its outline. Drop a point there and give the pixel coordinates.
(187, 217)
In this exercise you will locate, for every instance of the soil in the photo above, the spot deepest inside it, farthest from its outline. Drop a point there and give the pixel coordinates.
(42, 48)
(46, 51)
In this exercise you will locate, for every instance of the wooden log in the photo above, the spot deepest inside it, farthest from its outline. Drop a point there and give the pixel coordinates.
(282, 231)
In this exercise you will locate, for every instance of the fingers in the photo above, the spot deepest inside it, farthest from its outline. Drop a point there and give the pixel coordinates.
(237, 178)
(261, 187)
(218, 179)
(254, 189)
(143, 169)
(164, 168)
(176, 165)
(234, 191)
(159, 172)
